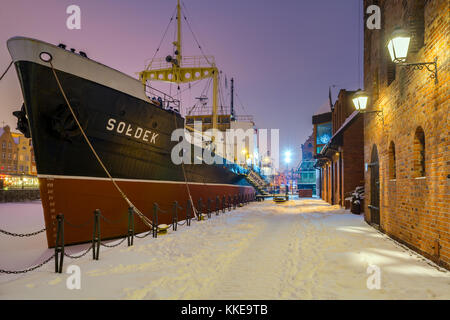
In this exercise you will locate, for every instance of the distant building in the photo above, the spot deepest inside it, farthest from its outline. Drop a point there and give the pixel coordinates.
(9, 152)
(341, 160)
(16, 153)
(306, 170)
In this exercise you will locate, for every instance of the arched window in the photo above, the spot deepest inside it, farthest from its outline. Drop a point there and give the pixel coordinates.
(392, 162)
(419, 153)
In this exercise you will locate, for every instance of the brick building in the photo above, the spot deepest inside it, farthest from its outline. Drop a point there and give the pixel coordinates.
(341, 160)
(406, 151)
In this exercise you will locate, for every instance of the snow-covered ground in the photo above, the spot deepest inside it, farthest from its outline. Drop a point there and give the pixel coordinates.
(302, 249)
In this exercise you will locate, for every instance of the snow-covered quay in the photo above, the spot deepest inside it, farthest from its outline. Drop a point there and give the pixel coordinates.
(302, 249)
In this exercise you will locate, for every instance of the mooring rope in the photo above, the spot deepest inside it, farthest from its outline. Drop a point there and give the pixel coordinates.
(147, 221)
(7, 69)
(185, 178)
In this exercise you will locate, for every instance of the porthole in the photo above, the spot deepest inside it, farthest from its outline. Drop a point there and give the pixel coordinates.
(45, 56)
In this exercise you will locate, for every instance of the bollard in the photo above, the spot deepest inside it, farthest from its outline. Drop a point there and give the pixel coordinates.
(234, 202)
(155, 220)
(217, 205)
(188, 213)
(199, 210)
(175, 216)
(209, 208)
(229, 203)
(59, 247)
(223, 204)
(130, 235)
(96, 235)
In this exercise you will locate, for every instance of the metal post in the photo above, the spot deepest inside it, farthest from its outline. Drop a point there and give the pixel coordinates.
(209, 208)
(217, 205)
(229, 203)
(96, 235)
(130, 236)
(223, 203)
(175, 216)
(59, 247)
(200, 210)
(155, 220)
(188, 213)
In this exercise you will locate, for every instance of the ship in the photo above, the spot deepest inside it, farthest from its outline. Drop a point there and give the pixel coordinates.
(102, 141)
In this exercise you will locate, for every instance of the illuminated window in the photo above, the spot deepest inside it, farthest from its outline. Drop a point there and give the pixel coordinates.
(324, 132)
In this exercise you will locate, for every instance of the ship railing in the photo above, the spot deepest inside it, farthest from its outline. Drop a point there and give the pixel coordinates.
(186, 62)
(161, 99)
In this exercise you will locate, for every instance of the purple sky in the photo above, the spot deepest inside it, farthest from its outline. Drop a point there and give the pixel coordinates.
(283, 54)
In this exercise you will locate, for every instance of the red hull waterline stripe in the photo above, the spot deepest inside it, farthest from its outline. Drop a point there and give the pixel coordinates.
(78, 197)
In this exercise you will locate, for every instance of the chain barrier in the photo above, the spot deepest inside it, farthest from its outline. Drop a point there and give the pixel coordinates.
(79, 256)
(111, 221)
(29, 269)
(113, 245)
(96, 236)
(77, 226)
(21, 235)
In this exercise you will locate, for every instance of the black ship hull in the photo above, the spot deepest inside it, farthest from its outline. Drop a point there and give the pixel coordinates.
(131, 136)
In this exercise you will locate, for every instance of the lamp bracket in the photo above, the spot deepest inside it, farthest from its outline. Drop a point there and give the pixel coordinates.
(430, 66)
(379, 114)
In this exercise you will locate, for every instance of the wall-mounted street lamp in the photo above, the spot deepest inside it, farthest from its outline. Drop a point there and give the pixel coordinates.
(360, 99)
(398, 46)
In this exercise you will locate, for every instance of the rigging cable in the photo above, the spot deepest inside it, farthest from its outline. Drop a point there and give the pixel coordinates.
(193, 34)
(160, 43)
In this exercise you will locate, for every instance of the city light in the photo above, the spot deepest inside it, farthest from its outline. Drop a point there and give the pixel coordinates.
(287, 157)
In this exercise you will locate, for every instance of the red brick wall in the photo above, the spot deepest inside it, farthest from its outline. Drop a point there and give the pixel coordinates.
(415, 211)
(353, 156)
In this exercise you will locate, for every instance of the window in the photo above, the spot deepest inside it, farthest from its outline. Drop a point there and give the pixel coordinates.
(9, 145)
(9, 156)
(392, 162)
(419, 153)
(3, 144)
(3, 155)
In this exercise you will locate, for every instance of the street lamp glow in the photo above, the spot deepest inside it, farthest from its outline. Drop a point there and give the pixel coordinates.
(398, 45)
(360, 100)
(287, 157)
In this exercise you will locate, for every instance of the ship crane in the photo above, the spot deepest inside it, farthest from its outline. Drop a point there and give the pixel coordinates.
(180, 69)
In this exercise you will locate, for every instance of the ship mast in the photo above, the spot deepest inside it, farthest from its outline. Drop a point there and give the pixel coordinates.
(184, 69)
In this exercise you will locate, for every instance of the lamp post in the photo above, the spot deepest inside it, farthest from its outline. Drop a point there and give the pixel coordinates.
(398, 46)
(287, 160)
(360, 99)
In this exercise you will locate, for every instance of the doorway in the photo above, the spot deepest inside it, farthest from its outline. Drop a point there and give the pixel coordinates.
(374, 188)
